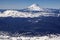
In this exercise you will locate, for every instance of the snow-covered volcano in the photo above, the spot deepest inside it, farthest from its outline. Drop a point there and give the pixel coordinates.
(32, 11)
(35, 7)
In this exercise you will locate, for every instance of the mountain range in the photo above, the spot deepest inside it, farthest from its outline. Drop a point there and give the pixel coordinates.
(31, 11)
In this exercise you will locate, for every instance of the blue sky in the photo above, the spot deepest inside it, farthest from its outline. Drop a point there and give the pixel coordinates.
(19, 4)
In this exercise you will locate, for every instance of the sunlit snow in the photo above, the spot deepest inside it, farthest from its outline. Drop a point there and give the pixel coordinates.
(51, 37)
(13, 13)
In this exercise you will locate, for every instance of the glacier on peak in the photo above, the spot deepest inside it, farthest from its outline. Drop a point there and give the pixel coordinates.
(35, 7)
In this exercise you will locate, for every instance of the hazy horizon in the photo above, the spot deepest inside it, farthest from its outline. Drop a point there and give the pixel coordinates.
(19, 4)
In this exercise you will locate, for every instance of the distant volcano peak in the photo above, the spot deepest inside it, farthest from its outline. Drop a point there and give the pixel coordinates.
(35, 7)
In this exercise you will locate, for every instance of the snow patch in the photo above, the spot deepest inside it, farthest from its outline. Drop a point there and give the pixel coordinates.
(51, 37)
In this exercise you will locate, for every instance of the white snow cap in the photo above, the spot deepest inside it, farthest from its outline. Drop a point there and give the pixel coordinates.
(35, 7)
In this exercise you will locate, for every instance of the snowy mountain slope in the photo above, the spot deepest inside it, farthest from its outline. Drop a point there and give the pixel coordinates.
(12, 13)
(35, 7)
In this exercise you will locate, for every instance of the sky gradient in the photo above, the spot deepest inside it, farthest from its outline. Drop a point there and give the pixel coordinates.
(19, 4)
